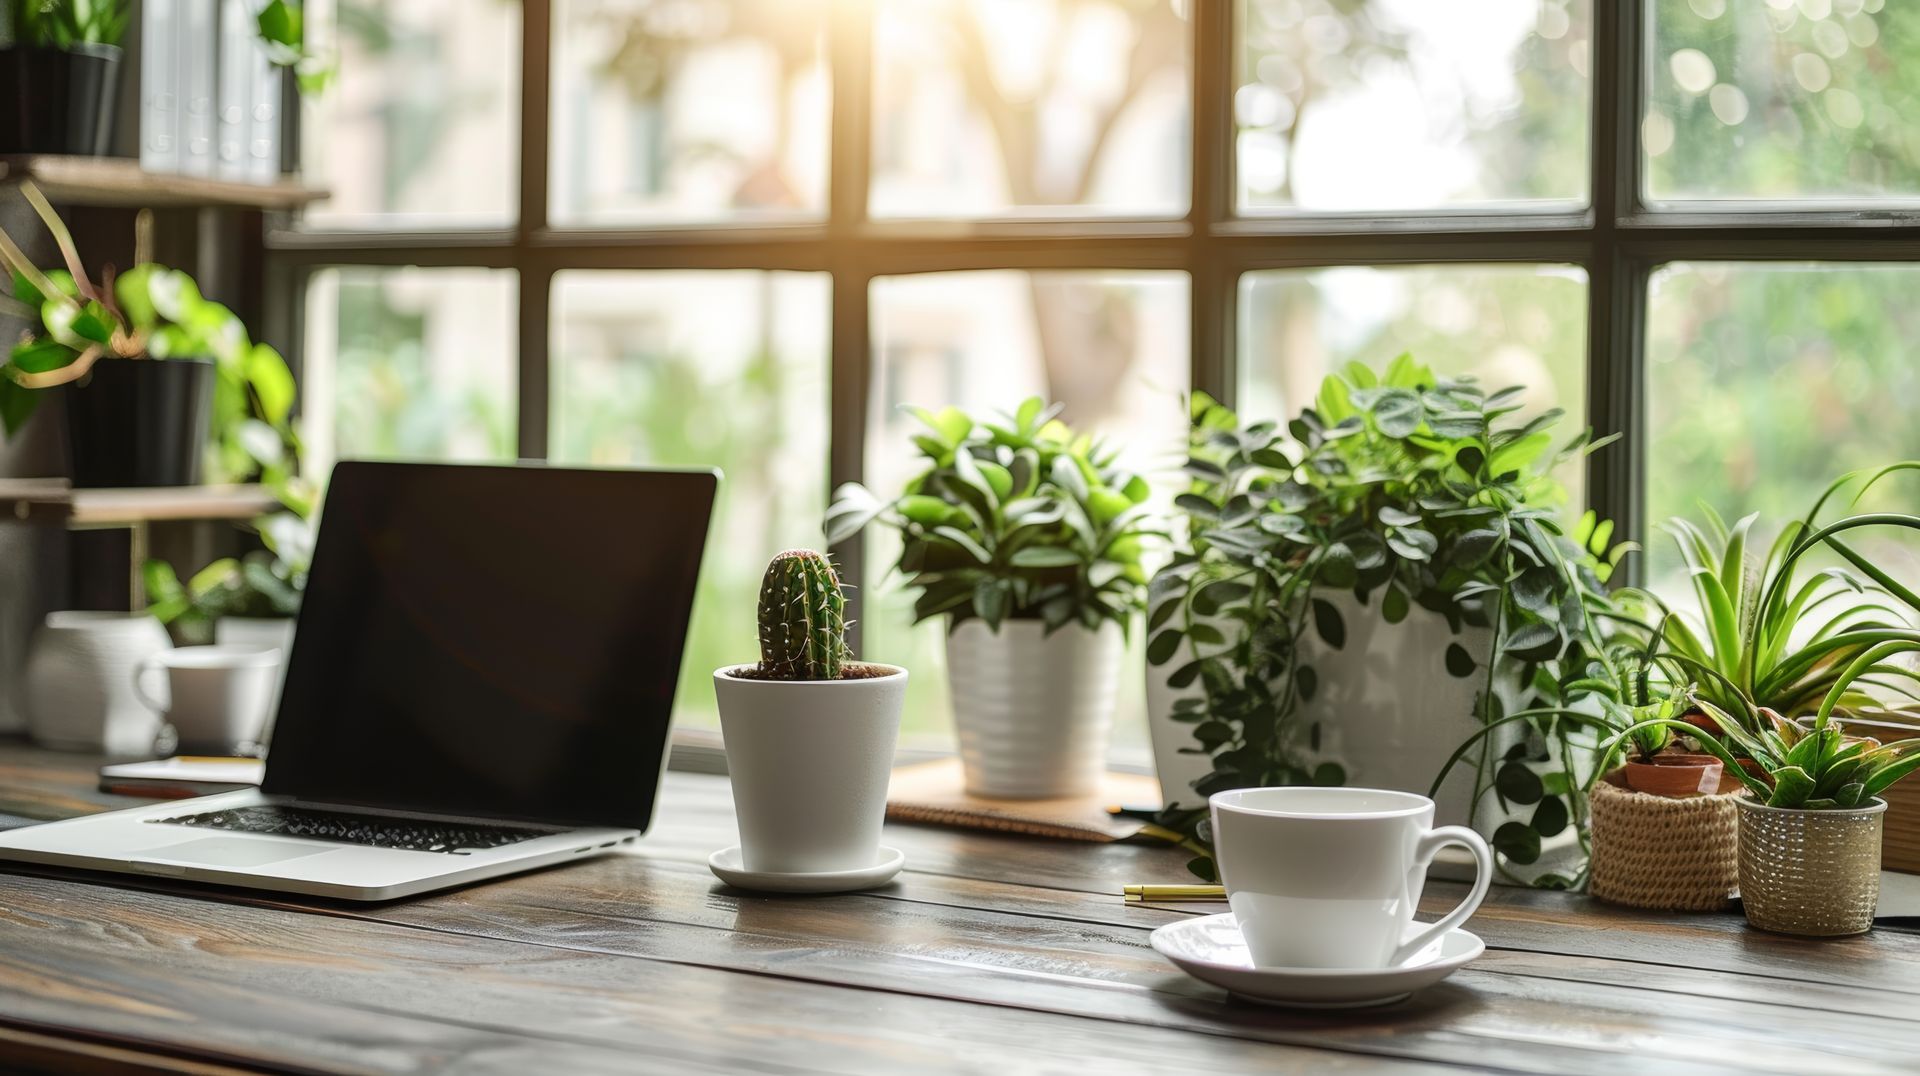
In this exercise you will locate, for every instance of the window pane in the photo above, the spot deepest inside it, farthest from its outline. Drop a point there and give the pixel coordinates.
(1783, 100)
(664, 109)
(704, 369)
(409, 364)
(1767, 382)
(1112, 347)
(1507, 325)
(1411, 104)
(985, 107)
(422, 125)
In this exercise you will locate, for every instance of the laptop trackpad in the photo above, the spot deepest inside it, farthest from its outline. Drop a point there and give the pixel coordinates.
(233, 851)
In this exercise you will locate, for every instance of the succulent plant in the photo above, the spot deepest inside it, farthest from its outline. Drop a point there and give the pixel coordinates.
(803, 622)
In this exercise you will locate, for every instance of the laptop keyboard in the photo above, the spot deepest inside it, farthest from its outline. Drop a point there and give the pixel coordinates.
(377, 831)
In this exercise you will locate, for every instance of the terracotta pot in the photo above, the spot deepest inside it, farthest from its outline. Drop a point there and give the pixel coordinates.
(1812, 873)
(1676, 774)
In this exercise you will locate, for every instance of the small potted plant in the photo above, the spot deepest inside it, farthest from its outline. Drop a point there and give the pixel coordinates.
(809, 731)
(60, 74)
(1664, 825)
(1810, 832)
(133, 419)
(1026, 537)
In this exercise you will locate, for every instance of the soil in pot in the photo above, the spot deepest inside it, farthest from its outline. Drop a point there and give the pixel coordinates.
(139, 422)
(58, 100)
(1675, 774)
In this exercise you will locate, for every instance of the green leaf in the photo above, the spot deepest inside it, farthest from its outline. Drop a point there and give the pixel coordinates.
(1518, 784)
(961, 539)
(1791, 787)
(1326, 621)
(1518, 842)
(16, 405)
(1395, 517)
(1337, 567)
(1394, 606)
(1550, 817)
(1535, 642)
(990, 601)
(1533, 591)
(1416, 545)
(272, 383)
(1163, 647)
(1397, 413)
(1459, 662)
(1040, 556)
(1329, 774)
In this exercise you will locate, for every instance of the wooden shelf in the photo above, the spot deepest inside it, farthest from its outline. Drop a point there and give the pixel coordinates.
(52, 501)
(120, 181)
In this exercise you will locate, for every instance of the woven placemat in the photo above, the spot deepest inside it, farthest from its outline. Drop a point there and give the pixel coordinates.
(1672, 854)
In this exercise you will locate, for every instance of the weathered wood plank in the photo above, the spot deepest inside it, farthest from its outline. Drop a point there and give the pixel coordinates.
(280, 988)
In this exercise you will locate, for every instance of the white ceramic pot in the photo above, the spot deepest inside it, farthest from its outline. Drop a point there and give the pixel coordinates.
(1033, 711)
(809, 762)
(263, 633)
(79, 678)
(1177, 769)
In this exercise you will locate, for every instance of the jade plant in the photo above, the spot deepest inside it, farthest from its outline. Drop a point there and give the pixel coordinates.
(1406, 490)
(146, 313)
(1019, 519)
(803, 619)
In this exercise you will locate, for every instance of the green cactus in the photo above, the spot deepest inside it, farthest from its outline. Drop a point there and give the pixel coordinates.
(803, 621)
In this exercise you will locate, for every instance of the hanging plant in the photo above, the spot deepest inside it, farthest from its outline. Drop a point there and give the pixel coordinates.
(1406, 490)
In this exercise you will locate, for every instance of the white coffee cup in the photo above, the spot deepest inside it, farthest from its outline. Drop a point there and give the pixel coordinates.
(218, 695)
(1330, 877)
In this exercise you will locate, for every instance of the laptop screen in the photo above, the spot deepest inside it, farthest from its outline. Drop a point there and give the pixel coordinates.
(500, 642)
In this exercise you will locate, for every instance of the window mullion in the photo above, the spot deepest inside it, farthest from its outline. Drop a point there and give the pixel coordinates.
(1212, 282)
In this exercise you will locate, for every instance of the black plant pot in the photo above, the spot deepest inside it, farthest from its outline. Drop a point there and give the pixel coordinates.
(140, 422)
(58, 100)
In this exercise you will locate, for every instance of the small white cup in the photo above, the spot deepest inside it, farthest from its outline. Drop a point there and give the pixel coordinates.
(219, 695)
(1330, 877)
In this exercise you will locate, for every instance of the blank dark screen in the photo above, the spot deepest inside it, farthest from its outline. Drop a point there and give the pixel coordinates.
(501, 642)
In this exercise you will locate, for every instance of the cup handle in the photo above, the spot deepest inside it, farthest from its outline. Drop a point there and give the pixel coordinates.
(1429, 845)
(140, 672)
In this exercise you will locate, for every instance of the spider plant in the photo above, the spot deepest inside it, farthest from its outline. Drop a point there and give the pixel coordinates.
(1750, 646)
(1810, 762)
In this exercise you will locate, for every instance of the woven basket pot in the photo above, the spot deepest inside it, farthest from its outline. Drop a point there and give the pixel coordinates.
(1669, 853)
(1813, 873)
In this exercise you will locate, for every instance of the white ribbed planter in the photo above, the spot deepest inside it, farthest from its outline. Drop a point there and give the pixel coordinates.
(1032, 710)
(79, 678)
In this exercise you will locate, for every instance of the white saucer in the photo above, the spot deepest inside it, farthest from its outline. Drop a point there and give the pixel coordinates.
(1210, 949)
(727, 866)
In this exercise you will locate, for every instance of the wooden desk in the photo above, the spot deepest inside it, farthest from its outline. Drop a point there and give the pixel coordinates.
(994, 954)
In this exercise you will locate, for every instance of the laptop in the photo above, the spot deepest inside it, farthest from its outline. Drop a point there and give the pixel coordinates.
(480, 684)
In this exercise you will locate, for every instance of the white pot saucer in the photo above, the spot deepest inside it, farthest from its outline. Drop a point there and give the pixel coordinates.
(727, 865)
(1210, 949)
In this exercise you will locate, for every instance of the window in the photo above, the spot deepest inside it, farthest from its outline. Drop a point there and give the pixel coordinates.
(740, 232)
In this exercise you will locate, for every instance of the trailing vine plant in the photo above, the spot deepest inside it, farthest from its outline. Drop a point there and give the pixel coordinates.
(1408, 491)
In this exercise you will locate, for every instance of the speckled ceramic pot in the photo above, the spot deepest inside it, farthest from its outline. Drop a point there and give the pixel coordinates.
(1812, 873)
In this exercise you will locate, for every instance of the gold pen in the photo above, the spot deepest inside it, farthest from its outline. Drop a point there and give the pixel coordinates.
(1149, 894)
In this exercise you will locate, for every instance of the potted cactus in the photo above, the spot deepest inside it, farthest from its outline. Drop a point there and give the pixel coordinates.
(809, 733)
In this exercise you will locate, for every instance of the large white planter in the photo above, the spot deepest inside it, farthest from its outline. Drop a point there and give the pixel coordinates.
(809, 762)
(1033, 711)
(1386, 708)
(79, 678)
